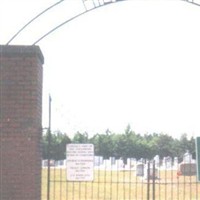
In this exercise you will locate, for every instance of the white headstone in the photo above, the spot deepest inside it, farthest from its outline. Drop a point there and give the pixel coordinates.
(187, 157)
(98, 160)
(140, 169)
(167, 162)
(175, 162)
(119, 163)
(112, 160)
(157, 160)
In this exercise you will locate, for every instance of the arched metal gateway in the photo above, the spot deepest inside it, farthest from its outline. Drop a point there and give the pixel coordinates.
(112, 178)
(88, 5)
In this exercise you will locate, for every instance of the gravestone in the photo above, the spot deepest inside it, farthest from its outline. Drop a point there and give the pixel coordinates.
(167, 162)
(140, 169)
(187, 169)
(157, 160)
(107, 164)
(188, 166)
(119, 163)
(175, 165)
(60, 163)
(44, 163)
(187, 157)
(112, 160)
(98, 160)
(152, 174)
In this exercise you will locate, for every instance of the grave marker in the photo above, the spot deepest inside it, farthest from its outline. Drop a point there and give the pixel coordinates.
(140, 167)
(187, 169)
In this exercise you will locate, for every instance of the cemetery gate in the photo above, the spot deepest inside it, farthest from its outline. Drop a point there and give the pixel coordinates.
(112, 179)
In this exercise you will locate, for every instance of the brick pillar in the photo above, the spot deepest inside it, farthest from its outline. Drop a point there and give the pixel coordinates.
(20, 122)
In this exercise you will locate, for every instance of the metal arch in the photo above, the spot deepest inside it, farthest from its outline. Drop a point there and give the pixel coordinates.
(192, 2)
(78, 15)
(87, 10)
(96, 4)
(60, 25)
(99, 4)
(33, 19)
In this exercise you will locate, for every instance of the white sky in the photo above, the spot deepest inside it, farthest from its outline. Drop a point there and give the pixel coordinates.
(135, 62)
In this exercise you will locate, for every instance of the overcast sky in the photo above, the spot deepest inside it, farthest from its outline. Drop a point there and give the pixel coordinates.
(132, 62)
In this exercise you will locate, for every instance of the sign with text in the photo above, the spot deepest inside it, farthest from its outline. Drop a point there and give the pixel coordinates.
(80, 162)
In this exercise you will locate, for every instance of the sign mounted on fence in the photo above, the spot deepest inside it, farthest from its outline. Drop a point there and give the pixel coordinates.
(80, 162)
(198, 157)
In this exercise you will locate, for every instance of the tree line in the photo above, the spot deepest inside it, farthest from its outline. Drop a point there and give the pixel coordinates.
(121, 145)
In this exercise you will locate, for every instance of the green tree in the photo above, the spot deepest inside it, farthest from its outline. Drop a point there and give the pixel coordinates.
(80, 138)
(184, 144)
(122, 145)
(163, 145)
(57, 149)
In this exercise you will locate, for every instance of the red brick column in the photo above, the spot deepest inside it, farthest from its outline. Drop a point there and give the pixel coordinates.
(20, 122)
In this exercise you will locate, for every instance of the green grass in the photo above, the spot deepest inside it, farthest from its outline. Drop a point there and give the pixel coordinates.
(119, 185)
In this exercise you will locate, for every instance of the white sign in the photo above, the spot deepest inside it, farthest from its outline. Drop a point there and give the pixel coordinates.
(80, 162)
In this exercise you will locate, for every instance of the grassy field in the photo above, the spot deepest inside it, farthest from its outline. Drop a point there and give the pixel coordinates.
(120, 185)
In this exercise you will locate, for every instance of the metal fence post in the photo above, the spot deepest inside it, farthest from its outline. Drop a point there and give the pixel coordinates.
(153, 177)
(49, 151)
(148, 180)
